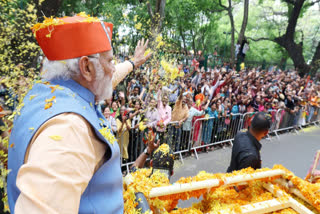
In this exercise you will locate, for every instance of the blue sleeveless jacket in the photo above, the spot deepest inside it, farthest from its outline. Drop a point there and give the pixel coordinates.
(104, 191)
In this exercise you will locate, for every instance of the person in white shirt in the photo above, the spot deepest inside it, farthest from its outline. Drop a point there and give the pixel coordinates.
(237, 49)
(246, 47)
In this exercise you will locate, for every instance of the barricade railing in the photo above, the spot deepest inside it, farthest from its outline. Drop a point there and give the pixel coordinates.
(177, 138)
(245, 120)
(172, 135)
(207, 132)
(285, 120)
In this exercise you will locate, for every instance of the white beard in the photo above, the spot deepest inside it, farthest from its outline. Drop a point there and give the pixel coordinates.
(102, 85)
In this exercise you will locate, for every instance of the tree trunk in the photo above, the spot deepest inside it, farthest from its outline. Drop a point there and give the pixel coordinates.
(244, 21)
(161, 12)
(295, 50)
(184, 41)
(157, 16)
(295, 53)
(232, 48)
(193, 43)
(315, 64)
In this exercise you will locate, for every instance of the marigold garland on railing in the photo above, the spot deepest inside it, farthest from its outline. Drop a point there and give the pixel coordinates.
(224, 198)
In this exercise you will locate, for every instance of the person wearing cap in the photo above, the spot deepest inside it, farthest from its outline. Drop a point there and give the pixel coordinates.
(63, 155)
(246, 147)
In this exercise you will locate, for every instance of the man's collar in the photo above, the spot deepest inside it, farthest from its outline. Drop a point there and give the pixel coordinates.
(256, 143)
(83, 92)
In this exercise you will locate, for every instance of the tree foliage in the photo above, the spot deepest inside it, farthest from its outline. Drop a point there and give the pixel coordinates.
(17, 43)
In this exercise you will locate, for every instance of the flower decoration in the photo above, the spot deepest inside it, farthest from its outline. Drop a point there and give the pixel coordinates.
(171, 72)
(49, 102)
(107, 134)
(224, 199)
(50, 22)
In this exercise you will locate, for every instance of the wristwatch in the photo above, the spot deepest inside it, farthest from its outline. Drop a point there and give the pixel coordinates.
(132, 63)
(146, 151)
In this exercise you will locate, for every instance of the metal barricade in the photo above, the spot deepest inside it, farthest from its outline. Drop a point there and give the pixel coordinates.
(273, 114)
(285, 121)
(318, 116)
(314, 115)
(172, 135)
(122, 144)
(177, 139)
(246, 120)
(136, 144)
(214, 131)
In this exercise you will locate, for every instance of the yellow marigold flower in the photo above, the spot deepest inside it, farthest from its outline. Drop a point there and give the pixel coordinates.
(32, 96)
(30, 8)
(49, 22)
(164, 148)
(159, 38)
(56, 137)
(53, 88)
(147, 52)
(51, 99)
(48, 105)
(106, 133)
(138, 26)
(142, 127)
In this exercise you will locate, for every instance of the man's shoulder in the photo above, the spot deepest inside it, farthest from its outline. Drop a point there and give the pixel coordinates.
(242, 138)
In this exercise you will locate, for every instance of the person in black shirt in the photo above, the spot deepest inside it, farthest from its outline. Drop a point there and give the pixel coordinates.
(246, 147)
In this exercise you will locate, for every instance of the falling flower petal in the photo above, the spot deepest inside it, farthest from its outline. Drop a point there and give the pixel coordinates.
(56, 137)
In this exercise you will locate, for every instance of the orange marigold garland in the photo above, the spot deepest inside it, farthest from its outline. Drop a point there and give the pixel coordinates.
(308, 190)
(224, 198)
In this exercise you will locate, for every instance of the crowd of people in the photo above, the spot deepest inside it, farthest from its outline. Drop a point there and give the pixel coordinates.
(171, 107)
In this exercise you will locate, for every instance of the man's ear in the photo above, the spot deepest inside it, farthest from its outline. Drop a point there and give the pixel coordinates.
(87, 69)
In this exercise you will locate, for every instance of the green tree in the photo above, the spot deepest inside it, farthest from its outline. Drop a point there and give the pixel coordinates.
(289, 38)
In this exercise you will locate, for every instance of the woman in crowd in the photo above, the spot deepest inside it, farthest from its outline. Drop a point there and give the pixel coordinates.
(111, 120)
(212, 114)
(123, 126)
(114, 109)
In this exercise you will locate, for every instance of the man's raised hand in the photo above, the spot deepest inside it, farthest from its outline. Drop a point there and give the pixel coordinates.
(139, 57)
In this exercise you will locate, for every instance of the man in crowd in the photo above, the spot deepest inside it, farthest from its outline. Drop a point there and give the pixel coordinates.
(64, 158)
(180, 114)
(152, 115)
(136, 93)
(246, 147)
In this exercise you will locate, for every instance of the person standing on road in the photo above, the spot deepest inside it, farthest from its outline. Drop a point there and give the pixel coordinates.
(246, 147)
